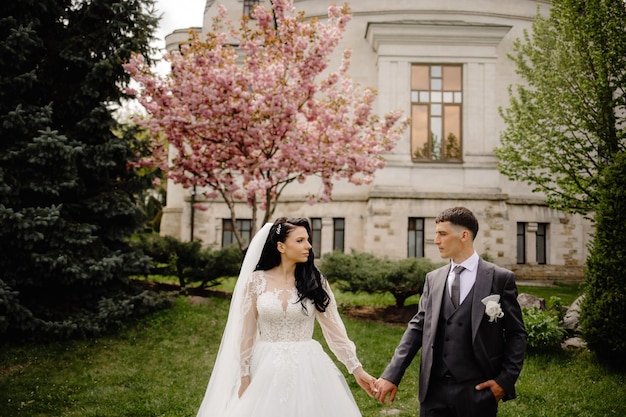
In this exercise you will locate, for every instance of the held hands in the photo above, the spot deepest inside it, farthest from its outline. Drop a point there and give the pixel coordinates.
(382, 388)
(365, 380)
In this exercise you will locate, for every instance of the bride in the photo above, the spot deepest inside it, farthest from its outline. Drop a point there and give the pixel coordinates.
(268, 364)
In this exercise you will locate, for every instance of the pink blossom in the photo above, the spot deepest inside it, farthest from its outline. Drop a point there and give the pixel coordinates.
(245, 127)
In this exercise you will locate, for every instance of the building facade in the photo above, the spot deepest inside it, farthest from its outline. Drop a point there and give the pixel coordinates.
(445, 65)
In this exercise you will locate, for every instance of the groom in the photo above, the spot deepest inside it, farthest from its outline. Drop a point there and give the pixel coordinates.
(472, 349)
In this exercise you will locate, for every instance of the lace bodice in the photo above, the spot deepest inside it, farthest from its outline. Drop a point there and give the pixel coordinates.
(273, 315)
(281, 319)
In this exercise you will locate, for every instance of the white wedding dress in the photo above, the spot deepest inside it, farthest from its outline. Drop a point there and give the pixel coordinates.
(269, 337)
(291, 375)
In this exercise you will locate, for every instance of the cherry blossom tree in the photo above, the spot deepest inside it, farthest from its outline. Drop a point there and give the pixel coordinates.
(252, 108)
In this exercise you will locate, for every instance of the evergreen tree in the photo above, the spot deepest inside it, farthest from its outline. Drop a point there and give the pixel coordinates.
(603, 313)
(67, 199)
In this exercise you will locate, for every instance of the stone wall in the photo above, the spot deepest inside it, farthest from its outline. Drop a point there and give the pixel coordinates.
(564, 274)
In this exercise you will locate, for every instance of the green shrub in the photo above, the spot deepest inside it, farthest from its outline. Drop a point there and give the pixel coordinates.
(544, 332)
(355, 272)
(189, 261)
(406, 277)
(219, 263)
(555, 304)
(364, 272)
(603, 311)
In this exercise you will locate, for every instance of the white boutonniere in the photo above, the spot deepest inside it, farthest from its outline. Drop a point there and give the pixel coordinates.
(492, 307)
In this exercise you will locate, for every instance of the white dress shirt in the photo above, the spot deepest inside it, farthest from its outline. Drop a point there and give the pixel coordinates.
(468, 276)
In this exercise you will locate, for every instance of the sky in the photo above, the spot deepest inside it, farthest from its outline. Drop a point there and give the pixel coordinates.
(178, 14)
(175, 14)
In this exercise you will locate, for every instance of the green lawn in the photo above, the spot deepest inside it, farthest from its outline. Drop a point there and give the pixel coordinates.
(159, 366)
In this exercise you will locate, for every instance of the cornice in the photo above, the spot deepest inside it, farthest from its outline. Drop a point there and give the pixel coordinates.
(429, 32)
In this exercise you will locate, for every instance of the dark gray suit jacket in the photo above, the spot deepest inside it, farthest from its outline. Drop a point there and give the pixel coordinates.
(498, 346)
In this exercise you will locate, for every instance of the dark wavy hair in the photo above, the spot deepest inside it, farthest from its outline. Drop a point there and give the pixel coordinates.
(308, 277)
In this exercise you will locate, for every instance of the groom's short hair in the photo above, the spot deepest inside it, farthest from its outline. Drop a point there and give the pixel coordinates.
(459, 216)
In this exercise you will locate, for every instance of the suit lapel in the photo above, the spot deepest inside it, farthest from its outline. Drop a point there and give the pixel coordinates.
(482, 288)
(438, 285)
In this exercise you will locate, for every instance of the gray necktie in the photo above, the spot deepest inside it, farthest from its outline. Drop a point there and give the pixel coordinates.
(456, 286)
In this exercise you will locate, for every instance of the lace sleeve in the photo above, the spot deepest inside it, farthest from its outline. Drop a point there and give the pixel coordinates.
(249, 325)
(335, 333)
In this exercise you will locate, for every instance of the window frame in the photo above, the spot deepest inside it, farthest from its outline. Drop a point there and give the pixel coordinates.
(244, 226)
(421, 93)
(248, 7)
(542, 244)
(521, 243)
(339, 234)
(316, 235)
(415, 245)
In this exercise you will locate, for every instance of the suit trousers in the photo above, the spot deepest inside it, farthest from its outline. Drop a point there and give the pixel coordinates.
(448, 398)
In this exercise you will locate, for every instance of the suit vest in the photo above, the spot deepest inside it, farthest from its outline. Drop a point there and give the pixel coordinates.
(453, 343)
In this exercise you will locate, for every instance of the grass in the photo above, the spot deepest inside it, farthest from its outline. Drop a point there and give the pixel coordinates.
(160, 365)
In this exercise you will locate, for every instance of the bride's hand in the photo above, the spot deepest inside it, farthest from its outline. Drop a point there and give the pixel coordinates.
(365, 380)
(245, 381)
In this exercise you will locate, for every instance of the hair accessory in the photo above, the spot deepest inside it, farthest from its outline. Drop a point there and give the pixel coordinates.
(278, 229)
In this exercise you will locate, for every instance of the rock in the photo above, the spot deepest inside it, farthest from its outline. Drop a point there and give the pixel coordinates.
(390, 412)
(574, 343)
(197, 300)
(571, 320)
(529, 300)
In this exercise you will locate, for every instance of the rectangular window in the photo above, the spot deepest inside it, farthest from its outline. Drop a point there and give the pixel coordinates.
(339, 234)
(436, 102)
(521, 243)
(228, 231)
(248, 7)
(542, 243)
(316, 236)
(416, 237)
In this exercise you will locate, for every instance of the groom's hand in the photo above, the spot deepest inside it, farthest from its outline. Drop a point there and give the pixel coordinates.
(385, 388)
(495, 388)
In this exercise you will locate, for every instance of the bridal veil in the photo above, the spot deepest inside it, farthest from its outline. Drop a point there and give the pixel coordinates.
(225, 377)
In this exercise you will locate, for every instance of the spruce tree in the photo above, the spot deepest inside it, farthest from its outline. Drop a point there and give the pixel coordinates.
(68, 201)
